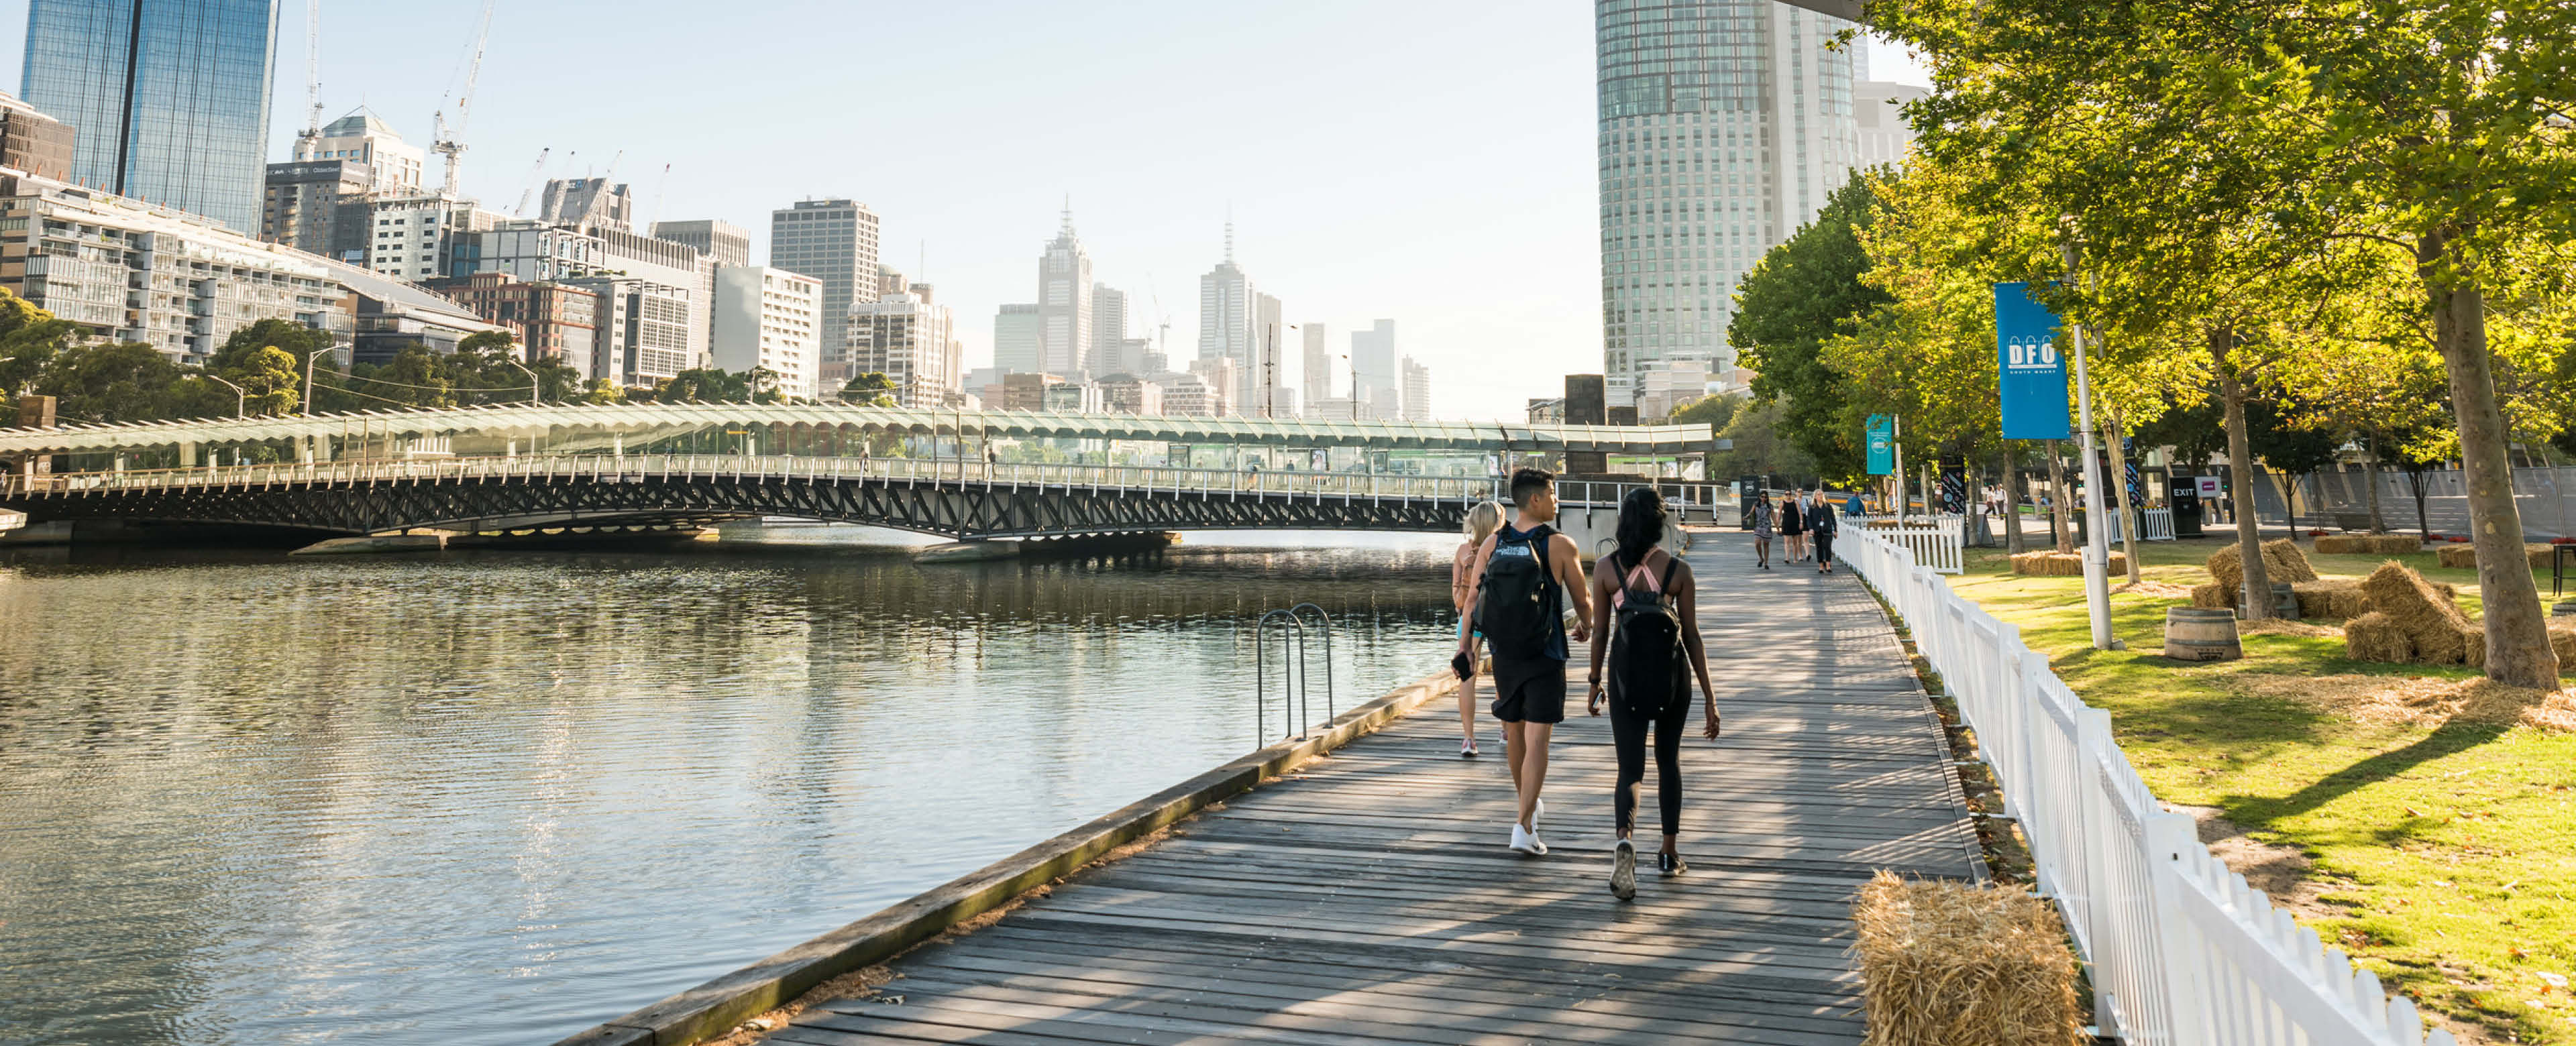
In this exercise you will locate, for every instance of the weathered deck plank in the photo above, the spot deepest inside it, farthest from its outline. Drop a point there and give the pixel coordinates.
(1370, 899)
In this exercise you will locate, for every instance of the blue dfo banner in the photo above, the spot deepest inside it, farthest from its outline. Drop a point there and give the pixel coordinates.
(2029, 369)
(1882, 444)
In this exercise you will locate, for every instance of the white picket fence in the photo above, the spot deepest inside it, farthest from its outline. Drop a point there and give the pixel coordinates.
(2183, 952)
(2154, 524)
(1934, 540)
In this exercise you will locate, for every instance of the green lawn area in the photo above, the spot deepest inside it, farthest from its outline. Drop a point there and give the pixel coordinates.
(2446, 851)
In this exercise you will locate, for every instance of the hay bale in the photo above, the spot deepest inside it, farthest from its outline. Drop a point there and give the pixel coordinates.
(2458, 557)
(2282, 561)
(2375, 637)
(2562, 639)
(1948, 964)
(2434, 624)
(2054, 564)
(2212, 596)
(2331, 599)
(2367, 545)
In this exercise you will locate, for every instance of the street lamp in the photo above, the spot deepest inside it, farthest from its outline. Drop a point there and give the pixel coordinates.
(240, 399)
(532, 377)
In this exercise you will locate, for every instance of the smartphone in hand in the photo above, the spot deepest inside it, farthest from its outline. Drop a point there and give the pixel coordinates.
(1462, 665)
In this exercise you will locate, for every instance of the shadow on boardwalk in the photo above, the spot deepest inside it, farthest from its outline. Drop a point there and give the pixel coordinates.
(1371, 898)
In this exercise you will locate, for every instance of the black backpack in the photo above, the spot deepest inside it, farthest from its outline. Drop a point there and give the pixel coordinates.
(1646, 648)
(1518, 610)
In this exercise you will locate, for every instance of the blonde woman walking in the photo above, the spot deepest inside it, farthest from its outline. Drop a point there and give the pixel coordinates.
(1482, 521)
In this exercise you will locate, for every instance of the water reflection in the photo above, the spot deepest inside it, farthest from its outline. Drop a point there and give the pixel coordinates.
(494, 797)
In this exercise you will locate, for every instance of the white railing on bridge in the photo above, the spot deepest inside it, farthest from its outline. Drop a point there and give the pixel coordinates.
(637, 467)
(1934, 540)
(2183, 952)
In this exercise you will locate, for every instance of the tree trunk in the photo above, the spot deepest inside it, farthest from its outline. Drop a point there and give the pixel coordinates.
(2013, 543)
(2061, 521)
(2517, 626)
(2119, 481)
(2370, 480)
(2240, 474)
(2415, 486)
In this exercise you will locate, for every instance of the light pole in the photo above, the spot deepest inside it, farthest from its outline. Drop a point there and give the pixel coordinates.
(532, 377)
(1355, 385)
(2097, 538)
(308, 379)
(240, 399)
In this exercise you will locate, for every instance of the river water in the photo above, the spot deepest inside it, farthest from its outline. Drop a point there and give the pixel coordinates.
(499, 797)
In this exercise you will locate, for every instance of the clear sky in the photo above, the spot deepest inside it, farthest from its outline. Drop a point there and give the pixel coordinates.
(1429, 161)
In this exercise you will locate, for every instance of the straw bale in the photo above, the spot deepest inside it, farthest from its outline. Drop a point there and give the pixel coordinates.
(1948, 964)
(2417, 700)
(2368, 545)
(2473, 645)
(2465, 556)
(2212, 596)
(2434, 624)
(2375, 637)
(2331, 599)
(2282, 561)
(2056, 564)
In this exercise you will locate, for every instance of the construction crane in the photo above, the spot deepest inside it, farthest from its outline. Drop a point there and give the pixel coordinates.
(534, 176)
(312, 71)
(450, 141)
(660, 185)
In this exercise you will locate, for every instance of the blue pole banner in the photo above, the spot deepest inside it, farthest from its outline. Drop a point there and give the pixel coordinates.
(1882, 444)
(2031, 373)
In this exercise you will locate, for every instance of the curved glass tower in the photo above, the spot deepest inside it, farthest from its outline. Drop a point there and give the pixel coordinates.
(168, 99)
(1724, 125)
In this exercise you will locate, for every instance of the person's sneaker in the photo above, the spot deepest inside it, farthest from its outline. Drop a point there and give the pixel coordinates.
(1526, 841)
(1467, 749)
(1538, 809)
(1623, 871)
(1671, 864)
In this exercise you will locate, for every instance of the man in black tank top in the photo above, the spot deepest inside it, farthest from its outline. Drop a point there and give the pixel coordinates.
(1529, 673)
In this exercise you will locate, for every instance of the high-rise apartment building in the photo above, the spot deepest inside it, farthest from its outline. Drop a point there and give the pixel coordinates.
(1723, 127)
(727, 243)
(1108, 331)
(1878, 110)
(1417, 391)
(834, 241)
(587, 203)
(645, 330)
(1317, 374)
(1064, 304)
(1230, 320)
(1379, 386)
(33, 142)
(909, 337)
(393, 165)
(1018, 337)
(169, 98)
(768, 318)
(552, 321)
(320, 207)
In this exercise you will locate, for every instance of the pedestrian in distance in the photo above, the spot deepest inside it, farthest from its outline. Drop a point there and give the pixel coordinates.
(1645, 608)
(1793, 527)
(1763, 520)
(1820, 522)
(1526, 576)
(1482, 521)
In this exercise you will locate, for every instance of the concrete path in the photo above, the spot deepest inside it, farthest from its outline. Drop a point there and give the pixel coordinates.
(1371, 898)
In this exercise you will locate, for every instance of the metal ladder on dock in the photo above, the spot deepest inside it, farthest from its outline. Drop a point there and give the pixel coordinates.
(1296, 711)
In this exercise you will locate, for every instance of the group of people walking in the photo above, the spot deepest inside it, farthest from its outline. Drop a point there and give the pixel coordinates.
(1805, 519)
(1521, 589)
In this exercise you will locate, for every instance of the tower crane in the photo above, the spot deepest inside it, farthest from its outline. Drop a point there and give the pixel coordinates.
(534, 176)
(312, 71)
(450, 141)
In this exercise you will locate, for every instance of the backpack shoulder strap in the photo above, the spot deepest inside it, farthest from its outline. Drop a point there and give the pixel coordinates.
(1671, 563)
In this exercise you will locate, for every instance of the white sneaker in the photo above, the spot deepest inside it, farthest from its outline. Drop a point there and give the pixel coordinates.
(1538, 809)
(1623, 871)
(1526, 841)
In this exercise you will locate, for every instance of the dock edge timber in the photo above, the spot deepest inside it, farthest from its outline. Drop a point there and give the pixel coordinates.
(718, 1006)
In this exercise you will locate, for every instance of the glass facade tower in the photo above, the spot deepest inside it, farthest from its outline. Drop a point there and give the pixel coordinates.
(1724, 124)
(169, 98)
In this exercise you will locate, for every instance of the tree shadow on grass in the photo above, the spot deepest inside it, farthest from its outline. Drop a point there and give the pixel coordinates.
(2451, 738)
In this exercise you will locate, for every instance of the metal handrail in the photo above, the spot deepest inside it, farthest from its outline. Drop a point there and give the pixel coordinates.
(1325, 621)
(1288, 699)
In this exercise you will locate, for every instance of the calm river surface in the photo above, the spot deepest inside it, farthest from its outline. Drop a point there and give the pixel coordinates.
(498, 797)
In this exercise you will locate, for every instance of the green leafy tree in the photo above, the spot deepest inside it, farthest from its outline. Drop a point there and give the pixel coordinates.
(123, 381)
(870, 389)
(2291, 450)
(602, 391)
(1761, 446)
(703, 385)
(30, 338)
(1805, 291)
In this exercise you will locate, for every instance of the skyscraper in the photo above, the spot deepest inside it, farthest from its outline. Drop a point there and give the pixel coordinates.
(727, 243)
(1417, 391)
(1373, 371)
(1064, 304)
(169, 97)
(1724, 124)
(1318, 370)
(393, 165)
(1268, 395)
(834, 241)
(1229, 324)
(1108, 331)
(1018, 334)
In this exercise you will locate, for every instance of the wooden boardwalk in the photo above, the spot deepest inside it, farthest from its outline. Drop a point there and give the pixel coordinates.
(1371, 899)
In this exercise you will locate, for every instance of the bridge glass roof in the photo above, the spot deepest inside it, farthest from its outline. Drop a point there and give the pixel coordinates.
(563, 426)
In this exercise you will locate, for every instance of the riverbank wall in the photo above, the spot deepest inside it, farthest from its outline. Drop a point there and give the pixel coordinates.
(717, 1006)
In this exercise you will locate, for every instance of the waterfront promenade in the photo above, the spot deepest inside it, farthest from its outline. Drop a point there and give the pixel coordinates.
(1369, 897)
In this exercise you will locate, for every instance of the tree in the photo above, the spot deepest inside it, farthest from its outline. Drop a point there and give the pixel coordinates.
(1760, 446)
(2289, 449)
(602, 391)
(30, 338)
(1803, 292)
(123, 381)
(1712, 411)
(870, 389)
(703, 385)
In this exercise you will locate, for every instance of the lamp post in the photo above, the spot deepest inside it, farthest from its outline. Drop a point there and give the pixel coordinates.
(2097, 543)
(240, 399)
(308, 379)
(532, 377)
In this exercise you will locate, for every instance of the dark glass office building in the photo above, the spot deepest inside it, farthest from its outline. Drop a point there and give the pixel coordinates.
(169, 97)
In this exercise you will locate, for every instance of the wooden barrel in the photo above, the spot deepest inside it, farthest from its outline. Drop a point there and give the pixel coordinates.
(2199, 634)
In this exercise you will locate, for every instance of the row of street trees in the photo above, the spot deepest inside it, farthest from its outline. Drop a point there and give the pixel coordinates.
(2330, 222)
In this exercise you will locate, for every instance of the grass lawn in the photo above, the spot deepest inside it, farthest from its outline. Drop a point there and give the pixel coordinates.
(2443, 851)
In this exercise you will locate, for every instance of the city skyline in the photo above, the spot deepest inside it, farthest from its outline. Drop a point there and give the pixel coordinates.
(1475, 227)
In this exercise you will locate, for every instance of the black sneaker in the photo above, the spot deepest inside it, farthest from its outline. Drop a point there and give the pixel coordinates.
(1623, 871)
(1670, 864)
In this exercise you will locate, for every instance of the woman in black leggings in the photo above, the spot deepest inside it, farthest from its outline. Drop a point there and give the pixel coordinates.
(1638, 571)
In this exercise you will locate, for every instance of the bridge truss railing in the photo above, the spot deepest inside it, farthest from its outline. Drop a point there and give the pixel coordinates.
(639, 467)
(2183, 952)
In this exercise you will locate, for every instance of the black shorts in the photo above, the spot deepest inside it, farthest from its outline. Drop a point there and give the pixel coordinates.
(1529, 691)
